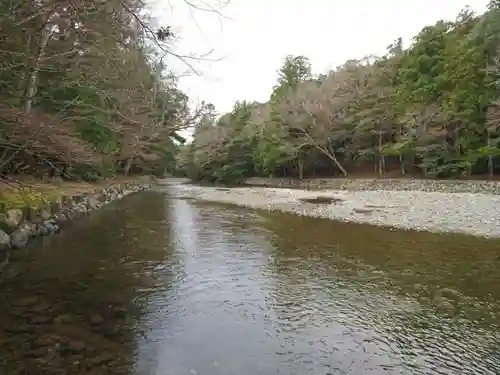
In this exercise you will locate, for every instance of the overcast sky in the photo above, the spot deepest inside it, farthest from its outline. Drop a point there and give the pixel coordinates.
(256, 35)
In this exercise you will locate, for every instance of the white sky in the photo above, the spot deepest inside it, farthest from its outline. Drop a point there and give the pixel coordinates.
(256, 35)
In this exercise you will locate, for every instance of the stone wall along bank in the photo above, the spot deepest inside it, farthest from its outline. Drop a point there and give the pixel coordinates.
(444, 186)
(18, 226)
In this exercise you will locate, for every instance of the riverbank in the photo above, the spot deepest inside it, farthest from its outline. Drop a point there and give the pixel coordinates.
(474, 214)
(32, 208)
(374, 184)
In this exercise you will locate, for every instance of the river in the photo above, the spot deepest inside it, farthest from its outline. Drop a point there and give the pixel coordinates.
(159, 285)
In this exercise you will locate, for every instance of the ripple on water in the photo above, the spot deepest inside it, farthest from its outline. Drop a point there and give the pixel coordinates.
(206, 289)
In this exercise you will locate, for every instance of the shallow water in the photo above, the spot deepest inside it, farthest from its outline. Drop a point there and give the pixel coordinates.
(159, 285)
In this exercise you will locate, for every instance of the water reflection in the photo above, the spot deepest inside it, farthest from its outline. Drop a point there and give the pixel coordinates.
(70, 304)
(369, 309)
(217, 306)
(158, 285)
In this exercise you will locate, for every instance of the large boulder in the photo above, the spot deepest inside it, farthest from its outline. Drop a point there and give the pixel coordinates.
(4, 240)
(38, 215)
(11, 219)
(21, 236)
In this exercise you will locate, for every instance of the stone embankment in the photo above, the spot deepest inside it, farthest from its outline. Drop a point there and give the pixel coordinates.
(18, 226)
(361, 184)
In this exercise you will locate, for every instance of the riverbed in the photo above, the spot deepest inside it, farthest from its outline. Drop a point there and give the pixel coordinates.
(162, 284)
(469, 213)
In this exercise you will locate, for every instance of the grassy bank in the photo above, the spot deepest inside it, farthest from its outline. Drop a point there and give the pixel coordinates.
(28, 192)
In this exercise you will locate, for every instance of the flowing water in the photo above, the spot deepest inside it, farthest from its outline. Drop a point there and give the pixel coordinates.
(158, 285)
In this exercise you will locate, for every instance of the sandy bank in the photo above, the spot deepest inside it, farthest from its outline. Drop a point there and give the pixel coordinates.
(475, 214)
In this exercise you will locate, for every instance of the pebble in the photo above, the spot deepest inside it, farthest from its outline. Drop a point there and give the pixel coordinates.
(96, 319)
(441, 212)
(40, 319)
(26, 301)
(76, 346)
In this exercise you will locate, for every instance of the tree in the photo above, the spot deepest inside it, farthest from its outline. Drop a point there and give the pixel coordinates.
(431, 109)
(83, 87)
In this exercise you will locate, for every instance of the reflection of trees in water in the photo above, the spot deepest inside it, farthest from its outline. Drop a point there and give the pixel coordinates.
(322, 308)
(464, 263)
(413, 291)
(71, 301)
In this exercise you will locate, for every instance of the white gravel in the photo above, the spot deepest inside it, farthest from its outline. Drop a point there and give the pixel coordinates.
(475, 214)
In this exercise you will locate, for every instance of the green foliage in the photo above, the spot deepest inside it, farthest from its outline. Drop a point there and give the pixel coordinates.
(97, 133)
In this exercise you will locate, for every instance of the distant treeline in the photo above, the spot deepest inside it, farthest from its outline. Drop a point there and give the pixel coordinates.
(431, 110)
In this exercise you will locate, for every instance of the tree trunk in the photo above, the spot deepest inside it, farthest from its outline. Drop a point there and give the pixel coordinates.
(333, 158)
(128, 165)
(301, 168)
(32, 83)
(381, 159)
(491, 167)
(402, 164)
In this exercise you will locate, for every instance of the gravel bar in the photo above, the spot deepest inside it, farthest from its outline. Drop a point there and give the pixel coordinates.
(471, 213)
(399, 184)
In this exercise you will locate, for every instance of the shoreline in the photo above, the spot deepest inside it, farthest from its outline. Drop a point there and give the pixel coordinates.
(375, 184)
(48, 211)
(439, 212)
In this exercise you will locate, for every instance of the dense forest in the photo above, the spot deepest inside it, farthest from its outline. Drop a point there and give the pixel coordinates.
(432, 109)
(85, 90)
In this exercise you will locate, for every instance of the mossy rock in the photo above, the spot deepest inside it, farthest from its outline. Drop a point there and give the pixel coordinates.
(24, 199)
(11, 219)
(38, 215)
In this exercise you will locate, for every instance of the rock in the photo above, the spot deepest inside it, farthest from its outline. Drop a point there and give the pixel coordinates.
(101, 359)
(26, 301)
(78, 199)
(20, 237)
(43, 230)
(46, 340)
(82, 207)
(362, 211)
(76, 346)
(70, 215)
(60, 219)
(39, 215)
(32, 229)
(56, 206)
(93, 203)
(111, 331)
(11, 219)
(96, 319)
(64, 318)
(45, 213)
(41, 307)
(444, 305)
(67, 201)
(450, 294)
(4, 240)
(119, 311)
(19, 328)
(102, 196)
(40, 319)
(38, 352)
(34, 215)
